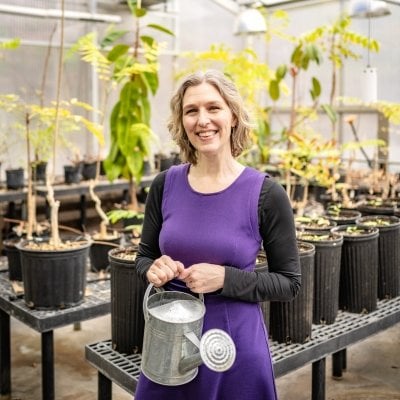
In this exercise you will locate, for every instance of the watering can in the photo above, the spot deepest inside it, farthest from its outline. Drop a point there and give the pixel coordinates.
(172, 350)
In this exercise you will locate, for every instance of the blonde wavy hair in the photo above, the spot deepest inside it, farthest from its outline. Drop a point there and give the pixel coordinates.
(240, 136)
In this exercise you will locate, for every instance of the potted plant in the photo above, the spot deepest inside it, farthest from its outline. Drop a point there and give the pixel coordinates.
(318, 223)
(328, 249)
(54, 270)
(358, 287)
(291, 322)
(127, 292)
(341, 215)
(134, 70)
(388, 252)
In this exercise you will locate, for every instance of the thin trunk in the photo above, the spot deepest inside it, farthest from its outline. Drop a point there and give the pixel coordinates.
(104, 219)
(30, 200)
(55, 205)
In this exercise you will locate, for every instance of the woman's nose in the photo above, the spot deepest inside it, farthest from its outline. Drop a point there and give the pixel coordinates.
(203, 118)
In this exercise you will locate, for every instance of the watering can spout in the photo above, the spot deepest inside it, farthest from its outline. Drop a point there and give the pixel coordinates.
(189, 363)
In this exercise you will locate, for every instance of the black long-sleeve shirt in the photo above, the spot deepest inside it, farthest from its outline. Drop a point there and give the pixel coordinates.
(276, 223)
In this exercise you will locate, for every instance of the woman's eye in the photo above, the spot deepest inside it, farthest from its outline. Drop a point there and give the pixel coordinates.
(214, 108)
(190, 111)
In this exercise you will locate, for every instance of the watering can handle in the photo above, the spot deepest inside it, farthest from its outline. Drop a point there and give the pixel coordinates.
(146, 298)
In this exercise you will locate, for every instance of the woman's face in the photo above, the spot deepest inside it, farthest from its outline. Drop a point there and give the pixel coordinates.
(207, 120)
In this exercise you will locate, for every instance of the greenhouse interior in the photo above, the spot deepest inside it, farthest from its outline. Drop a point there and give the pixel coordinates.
(124, 124)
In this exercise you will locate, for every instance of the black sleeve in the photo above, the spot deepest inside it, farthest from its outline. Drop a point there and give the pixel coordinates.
(280, 282)
(149, 248)
(283, 279)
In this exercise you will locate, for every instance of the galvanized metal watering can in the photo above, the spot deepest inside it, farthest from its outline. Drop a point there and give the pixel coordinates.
(172, 350)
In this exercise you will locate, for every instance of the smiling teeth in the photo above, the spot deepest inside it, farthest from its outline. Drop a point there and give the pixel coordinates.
(206, 134)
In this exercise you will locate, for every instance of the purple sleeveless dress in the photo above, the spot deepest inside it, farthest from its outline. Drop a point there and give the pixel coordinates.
(218, 228)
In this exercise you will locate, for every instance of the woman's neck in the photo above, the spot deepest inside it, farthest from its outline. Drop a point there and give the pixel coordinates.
(208, 177)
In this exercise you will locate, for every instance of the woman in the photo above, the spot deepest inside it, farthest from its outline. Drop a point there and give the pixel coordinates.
(205, 222)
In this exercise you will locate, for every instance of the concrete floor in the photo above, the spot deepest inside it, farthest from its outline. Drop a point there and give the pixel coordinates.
(373, 367)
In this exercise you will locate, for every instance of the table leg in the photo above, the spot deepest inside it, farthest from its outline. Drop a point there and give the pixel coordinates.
(337, 364)
(318, 380)
(104, 387)
(82, 207)
(48, 365)
(5, 356)
(344, 359)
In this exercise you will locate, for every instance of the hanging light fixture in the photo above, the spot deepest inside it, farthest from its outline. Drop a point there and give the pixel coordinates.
(250, 21)
(369, 9)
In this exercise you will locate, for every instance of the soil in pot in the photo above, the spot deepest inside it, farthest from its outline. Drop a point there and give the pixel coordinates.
(328, 248)
(127, 292)
(321, 223)
(358, 287)
(54, 278)
(291, 322)
(343, 216)
(378, 207)
(388, 252)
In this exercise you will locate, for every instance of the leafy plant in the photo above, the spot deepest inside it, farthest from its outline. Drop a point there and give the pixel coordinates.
(134, 70)
(37, 125)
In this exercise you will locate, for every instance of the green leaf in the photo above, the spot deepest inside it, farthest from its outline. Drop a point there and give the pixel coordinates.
(148, 40)
(112, 37)
(10, 44)
(297, 56)
(316, 88)
(140, 12)
(330, 112)
(117, 51)
(161, 29)
(274, 90)
(281, 72)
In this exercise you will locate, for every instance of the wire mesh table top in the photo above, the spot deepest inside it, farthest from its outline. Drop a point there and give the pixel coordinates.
(326, 339)
(96, 303)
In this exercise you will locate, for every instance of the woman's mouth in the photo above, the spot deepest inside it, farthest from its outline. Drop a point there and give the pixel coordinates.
(207, 134)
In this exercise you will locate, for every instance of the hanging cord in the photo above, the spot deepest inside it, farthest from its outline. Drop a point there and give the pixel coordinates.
(369, 34)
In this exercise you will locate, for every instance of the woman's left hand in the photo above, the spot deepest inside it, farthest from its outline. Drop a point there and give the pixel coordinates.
(203, 277)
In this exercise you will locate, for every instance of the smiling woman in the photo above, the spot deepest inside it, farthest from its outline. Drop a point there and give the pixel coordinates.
(205, 221)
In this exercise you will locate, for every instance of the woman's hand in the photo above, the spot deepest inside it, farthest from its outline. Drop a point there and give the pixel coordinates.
(163, 270)
(203, 277)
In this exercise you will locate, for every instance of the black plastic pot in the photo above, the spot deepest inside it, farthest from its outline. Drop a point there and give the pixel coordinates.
(89, 170)
(328, 249)
(385, 208)
(98, 253)
(388, 252)
(127, 292)
(13, 258)
(39, 171)
(344, 216)
(72, 173)
(358, 288)
(54, 279)
(291, 322)
(15, 178)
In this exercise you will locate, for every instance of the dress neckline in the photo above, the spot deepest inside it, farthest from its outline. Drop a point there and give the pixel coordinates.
(211, 193)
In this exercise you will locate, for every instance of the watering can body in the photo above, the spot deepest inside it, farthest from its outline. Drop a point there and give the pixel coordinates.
(173, 322)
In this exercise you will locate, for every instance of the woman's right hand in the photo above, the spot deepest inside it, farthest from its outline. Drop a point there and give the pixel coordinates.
(163, 270)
